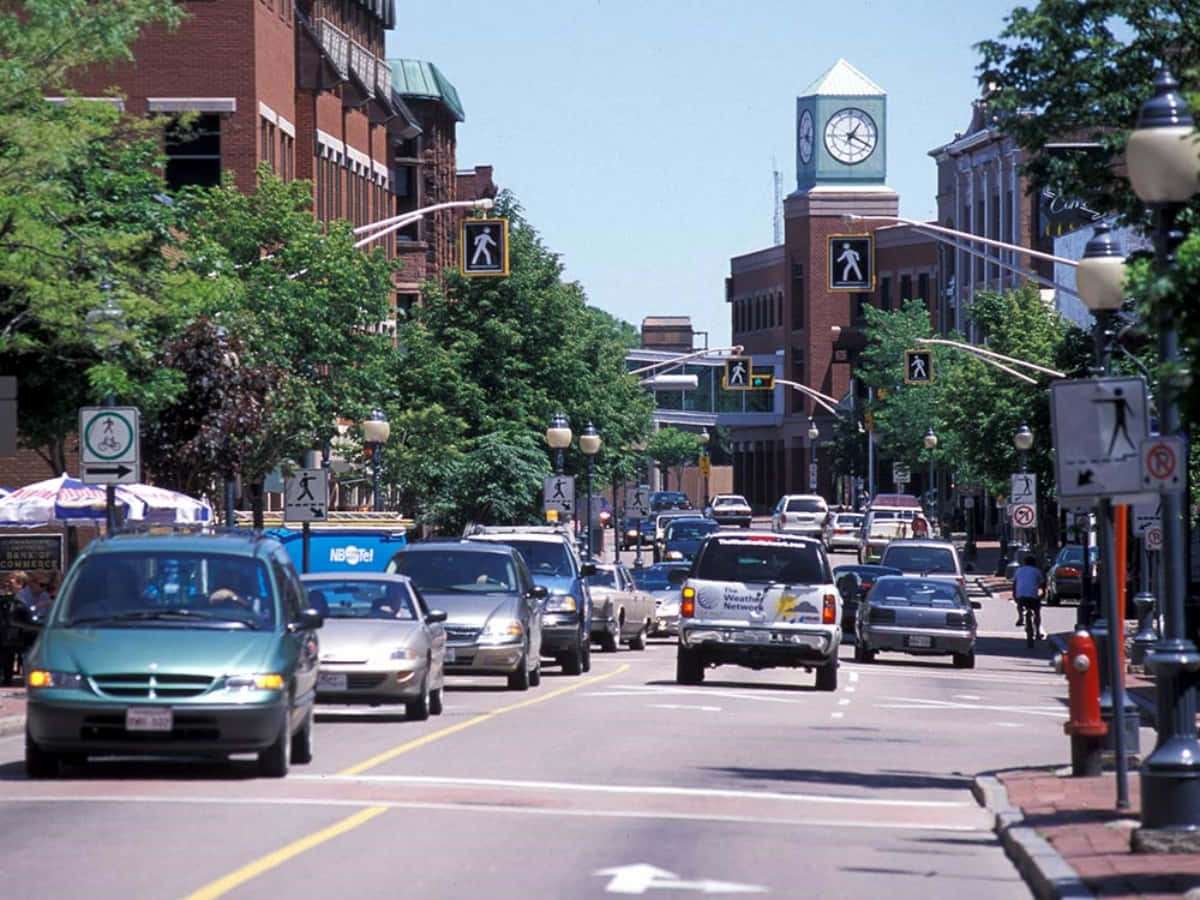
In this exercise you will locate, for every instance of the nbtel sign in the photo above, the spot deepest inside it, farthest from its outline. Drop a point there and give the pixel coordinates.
(351, 555)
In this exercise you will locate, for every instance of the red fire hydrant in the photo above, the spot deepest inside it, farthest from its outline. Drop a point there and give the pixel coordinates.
(1081, 664)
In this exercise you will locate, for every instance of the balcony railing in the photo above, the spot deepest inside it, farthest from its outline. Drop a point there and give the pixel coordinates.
(336, 43)
(383, 79)
(363, 65)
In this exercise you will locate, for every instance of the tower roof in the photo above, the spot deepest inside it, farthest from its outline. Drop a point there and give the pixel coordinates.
(843, 80)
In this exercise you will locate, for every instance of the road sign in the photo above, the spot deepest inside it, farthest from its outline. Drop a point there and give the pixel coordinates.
(901, 474)
(1099, 426)
(1024, 515)
(705, 466)
(1024, 488)
(637, 501)
(558, 493)
(851, 262)
(1162, 464)
(483, 246)
(109, 445)
(1153, 538)
(1145, 515)
(812, 476)
(306, 496)
(918, 366)
(737, 373)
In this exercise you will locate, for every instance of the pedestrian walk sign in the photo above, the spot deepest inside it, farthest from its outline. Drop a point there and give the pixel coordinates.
(558, 493)
(851, 259)
(1099, 426)
(737, 373)
(483, 247)
(918, 366)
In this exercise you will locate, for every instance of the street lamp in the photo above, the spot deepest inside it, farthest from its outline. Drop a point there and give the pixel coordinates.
(589, 443)
(638, 448)
(375, 432)
(558, 436)
(813, 433)
(930, 440)
(1163, 164)
(106, 321)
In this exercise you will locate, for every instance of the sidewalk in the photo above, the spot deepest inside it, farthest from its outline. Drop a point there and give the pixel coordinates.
(12, 709)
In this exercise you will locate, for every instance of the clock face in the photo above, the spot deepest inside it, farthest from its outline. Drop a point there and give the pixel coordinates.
(804, 136)
(850, 135)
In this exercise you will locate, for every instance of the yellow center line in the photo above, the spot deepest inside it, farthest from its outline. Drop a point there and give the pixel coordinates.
(238, 877)
(483, 717)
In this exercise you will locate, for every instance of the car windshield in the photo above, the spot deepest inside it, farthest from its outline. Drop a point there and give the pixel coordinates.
(654, 578)
(803, 504)
(920, 559)
(117, 589)
(456, 571)
(848, 519)
(362, 599)
(664, 499)
(603, 578)
(917, 593)
(730, 501)
(1073, 556)
(545, 557)
(688, 530)
(762, 562)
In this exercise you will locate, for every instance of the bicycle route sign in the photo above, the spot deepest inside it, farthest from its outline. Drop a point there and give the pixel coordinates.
(108, 445)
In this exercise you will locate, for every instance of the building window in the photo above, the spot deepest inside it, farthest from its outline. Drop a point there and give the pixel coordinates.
(262, 139)
(923, 286)
(797, 296)
(905, 288)
(194, 154)
(779, 307)
(860, 303)
(885, 293)
(797, 375)
(770, 304)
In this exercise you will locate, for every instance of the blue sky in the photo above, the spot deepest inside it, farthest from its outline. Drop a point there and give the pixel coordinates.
(640, 135)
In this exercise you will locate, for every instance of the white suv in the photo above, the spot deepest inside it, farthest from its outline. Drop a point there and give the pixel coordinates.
(800, 514)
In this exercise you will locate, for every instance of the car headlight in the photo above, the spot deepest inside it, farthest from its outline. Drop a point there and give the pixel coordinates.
(47, 678)
(258, 681)
(674, 555)
(560, 603)
(502, 630)
(404, 653)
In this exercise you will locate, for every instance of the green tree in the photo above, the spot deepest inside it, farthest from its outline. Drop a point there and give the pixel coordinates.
(674, 447)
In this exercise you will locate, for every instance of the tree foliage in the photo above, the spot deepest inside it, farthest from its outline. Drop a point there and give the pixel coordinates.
(674, 447)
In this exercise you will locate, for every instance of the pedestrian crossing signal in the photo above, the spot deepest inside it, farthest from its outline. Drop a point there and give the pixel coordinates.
(737, 374)
(918, 367)
(483, 247)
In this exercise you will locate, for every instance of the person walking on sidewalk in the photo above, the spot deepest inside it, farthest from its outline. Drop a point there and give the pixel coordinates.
(1029, 584)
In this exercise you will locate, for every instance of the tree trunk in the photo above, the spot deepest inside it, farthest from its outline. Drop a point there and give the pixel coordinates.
(255, 490)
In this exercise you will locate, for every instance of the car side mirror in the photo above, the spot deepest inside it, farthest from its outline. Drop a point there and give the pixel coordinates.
(587, 569)
(677, 575)
(539, 592)
(308, 620)
(435, 615)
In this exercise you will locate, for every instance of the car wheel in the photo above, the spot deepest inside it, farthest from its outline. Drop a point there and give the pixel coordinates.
(585, 656)
(827, 677)
(436, 701)
(964, 660)
(863, 653)
(518, 679)
(689, 668)
(1053, 599)
(39, 763)
(608, 642)
(535, 677)
(571, 661)
(276, 759)
(302, 742)
(638, 641)
(417, 709)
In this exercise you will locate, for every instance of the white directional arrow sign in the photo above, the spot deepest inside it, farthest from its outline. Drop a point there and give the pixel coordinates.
(637, 878)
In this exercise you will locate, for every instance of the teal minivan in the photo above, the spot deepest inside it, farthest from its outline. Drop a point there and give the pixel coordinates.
(180, 644)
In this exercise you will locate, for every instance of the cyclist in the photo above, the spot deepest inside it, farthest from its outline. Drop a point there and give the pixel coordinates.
(1028, 587)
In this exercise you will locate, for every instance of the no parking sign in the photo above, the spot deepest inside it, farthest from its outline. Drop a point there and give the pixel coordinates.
(1024, 515)
(1153, 537)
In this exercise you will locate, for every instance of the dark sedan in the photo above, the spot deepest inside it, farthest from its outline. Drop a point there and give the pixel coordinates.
(1065, 578)
(629, 533)
(867, 574)
(919, 616)
(682, 538)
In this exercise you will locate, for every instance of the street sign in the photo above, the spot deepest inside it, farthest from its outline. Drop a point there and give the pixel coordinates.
(483, 246)
(558, 493)
(108, 445)
(737, 373)
(918, 366)
(306, 496)
(705, 466)
(901, 474)
(1153, 538)
(1163, 460)
(1024, 488)
(851, 262)
(637, 501)
(1145, 515)
(812, 476)
(1024, 515)
(1099, 425)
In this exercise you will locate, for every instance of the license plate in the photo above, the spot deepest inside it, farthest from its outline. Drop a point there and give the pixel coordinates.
(149, 718)
(449, 657)
(920, 640)
(331, 681)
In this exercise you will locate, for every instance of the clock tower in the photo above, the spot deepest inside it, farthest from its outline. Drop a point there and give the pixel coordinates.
(841, 130)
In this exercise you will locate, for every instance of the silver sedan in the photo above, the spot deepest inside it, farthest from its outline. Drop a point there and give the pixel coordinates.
(380, 644)
(920, 616)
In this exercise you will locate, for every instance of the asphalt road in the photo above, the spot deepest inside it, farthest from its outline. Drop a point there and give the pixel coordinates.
(616, 782)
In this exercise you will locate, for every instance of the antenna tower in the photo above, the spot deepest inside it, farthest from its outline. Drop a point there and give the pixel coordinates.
(777, 216)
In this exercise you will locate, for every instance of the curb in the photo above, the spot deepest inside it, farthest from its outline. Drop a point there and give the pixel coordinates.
(1047, 874)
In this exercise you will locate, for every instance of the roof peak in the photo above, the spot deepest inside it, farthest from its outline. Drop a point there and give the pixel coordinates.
(842, 79)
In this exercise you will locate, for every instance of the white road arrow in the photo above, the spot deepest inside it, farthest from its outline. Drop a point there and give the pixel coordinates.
(637, 878)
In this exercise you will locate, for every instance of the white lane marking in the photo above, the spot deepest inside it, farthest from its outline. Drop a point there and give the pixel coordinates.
(854, 676)
(660, 790)
(966, 696)
(683, 706)
(837, 715)
(473, 808)
(850, 690)
(1056, 712)
(1008, 724)
(637, 878)
(948, 674)
(749, 693)
(843, 702)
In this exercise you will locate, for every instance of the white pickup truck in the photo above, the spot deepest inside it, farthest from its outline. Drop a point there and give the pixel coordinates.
(760, 600)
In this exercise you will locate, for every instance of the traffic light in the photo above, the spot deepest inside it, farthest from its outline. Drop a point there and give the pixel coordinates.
(737, 374)
(762, 381)
(918, 366)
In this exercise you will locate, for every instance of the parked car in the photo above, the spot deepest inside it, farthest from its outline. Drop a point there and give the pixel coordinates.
(730, 509)
(920, 616)
(554, 562)
(682, 537)
(800, 514)
(629, 533)
(494, 610)
(656, 580)
(930, 559)
(865, 577)
(841, 531)
(1065, 577)
(181, 644)
(380, 642)
(622, 613)
(661, 500)
(760, 600)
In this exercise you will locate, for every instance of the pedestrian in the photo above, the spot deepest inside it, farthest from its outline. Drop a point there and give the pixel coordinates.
(1028, 587)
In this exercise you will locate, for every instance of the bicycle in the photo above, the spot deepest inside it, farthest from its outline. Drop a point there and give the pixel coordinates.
(1031, 609)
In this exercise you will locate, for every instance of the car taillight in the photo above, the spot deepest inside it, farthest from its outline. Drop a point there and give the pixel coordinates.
(687, 605)
(782, 517)
(1067, 572)
(829, 610)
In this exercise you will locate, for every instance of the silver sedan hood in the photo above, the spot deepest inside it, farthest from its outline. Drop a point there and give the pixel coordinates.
(357, 640)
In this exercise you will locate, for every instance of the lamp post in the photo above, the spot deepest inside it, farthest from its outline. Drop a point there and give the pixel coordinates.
(1163, 164)
(1023, 440)
(375, 432)
(705, 437)
(107, 321)
(558, 436)
(931, 441)
(813, 433)
(589, 443)
(639, 449)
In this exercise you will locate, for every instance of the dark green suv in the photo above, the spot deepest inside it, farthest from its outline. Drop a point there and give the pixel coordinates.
(196, 644)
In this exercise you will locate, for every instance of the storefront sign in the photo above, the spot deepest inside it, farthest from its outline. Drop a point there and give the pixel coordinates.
(31, 552)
